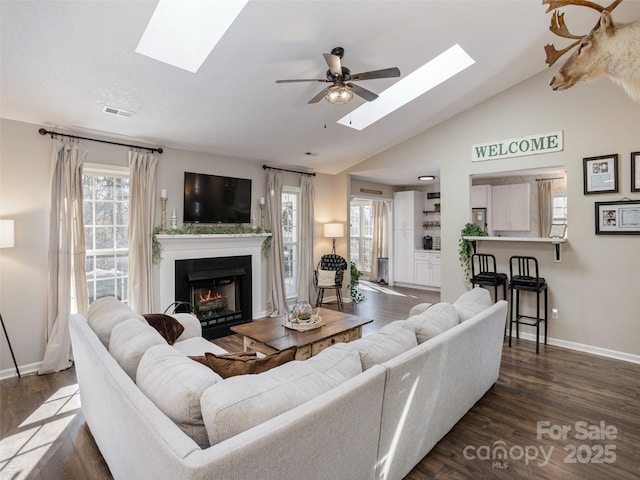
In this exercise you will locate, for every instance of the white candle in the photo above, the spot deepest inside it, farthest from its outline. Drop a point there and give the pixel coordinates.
(261, 200)
(163, 193)
(173, 213)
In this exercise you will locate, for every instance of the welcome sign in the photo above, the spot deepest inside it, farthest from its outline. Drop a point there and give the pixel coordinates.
(518, 147)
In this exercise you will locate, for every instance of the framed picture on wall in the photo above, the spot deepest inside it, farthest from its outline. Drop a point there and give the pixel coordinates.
(601, 174)
(618, 218)
(635, 171)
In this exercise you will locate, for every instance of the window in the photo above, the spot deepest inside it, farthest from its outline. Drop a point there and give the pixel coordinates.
(559, 208)
(361, 234)
(291, 238)
(106, 216)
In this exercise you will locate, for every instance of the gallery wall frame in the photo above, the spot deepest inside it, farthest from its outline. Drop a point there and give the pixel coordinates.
(618, 218)
(635, 171)
(601, 174)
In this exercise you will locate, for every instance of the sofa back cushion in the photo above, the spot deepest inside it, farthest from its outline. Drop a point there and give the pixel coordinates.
(472, 302)
(389, 341)
(239, 403)
(175, 384)
(129, 340)
(105, 313)
(433, 321)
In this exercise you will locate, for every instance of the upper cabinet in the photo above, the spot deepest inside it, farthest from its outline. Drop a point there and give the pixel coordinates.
(407, 210)
(510, 207)
(481, 196)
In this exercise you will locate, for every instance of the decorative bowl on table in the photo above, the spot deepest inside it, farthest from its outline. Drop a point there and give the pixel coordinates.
(302, 318)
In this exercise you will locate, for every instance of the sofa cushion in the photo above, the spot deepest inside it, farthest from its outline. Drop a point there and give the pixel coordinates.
(472, 302)
(418, 309)
(167, 326)
(105, 313)
(231, 365)
(433, 321)
(175, 384)
(129, 340)
(389, 341)
(242, 402)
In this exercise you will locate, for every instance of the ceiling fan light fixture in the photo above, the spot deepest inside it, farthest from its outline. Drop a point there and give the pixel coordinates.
(338, 95)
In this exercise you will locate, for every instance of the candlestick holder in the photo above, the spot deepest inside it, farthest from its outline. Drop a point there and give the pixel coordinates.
(262, 216)
(163, 217)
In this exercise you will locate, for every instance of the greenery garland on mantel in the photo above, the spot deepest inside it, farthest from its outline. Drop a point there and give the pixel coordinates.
(192, 229)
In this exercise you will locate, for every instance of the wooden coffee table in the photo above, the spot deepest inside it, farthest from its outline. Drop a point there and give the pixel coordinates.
(269, 336)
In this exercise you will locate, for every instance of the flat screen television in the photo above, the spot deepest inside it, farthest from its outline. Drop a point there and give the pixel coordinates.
(216, 199)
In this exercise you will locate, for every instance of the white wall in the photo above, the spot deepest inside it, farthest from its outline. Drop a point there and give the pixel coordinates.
(595, 288)
(25, 161)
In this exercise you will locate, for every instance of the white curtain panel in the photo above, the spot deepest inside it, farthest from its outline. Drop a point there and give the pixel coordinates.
(142, 211)
(277, 295)
(379, 244)
(545, 206)
(306, 288)
(67, 253)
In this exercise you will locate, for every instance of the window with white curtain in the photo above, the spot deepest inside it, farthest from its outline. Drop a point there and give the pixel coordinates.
(291, 238)
(559, 208)
(361, 234)
(105, 190)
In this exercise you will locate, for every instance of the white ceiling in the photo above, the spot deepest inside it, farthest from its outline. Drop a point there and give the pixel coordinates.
(62, 61)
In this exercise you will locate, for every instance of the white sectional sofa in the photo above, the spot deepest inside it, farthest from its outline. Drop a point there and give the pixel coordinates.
(369, 409)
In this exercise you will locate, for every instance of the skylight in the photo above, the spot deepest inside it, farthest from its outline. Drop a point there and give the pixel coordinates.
(183, 34)
(430, 75)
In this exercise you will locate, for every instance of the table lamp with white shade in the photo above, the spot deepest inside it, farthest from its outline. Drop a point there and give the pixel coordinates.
(333, 230)
(7, 241)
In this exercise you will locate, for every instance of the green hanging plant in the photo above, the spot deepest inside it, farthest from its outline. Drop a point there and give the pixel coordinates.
(465, 249)
(356, 295)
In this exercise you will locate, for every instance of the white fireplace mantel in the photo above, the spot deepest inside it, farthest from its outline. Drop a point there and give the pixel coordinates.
(185, 247)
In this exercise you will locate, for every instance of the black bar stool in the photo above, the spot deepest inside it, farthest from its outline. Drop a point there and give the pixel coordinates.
(483, 273)
(525, 277)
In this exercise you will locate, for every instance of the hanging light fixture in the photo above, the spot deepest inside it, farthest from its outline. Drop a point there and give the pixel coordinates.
(338, 94)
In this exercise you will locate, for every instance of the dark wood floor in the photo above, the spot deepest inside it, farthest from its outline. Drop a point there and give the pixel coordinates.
(44, 435)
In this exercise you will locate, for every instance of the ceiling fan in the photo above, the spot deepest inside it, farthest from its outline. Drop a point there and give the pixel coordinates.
(341, 91)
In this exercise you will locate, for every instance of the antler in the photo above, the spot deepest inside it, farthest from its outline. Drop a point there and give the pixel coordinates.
(558, 27)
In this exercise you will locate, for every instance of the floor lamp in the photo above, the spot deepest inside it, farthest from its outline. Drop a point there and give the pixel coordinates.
(6, 241)
(333, 230)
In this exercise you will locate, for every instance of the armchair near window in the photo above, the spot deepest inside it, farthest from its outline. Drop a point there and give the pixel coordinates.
(328, 275)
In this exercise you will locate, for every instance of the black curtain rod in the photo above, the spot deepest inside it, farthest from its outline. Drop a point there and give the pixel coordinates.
(554, 178)
(42, 131)
(292, 171)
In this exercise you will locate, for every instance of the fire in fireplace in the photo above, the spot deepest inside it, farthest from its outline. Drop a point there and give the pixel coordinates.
(218, 289)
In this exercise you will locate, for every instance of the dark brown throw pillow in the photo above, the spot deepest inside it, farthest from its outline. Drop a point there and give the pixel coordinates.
(226, 366)
(203, 358)
(167, 326)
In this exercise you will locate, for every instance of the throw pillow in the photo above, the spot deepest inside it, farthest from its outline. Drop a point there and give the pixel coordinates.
(167, 326)
(203, 358)
(240, 365)
(472, 302)
(439, 318)
(326, 278)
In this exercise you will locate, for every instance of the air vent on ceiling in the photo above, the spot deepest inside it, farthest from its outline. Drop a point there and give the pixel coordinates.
(117, 111)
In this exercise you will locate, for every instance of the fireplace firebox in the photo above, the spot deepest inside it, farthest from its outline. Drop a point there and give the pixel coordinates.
(218, 291)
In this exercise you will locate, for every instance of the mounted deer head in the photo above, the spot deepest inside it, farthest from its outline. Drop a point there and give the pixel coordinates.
(610, 49)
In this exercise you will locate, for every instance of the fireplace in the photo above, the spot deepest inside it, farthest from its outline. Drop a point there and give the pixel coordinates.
(217, 289)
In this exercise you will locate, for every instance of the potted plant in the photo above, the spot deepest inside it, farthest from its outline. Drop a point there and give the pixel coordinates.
(465, 249)
(355, 294)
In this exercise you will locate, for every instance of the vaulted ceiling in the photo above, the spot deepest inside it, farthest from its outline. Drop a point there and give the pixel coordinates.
(63, 61)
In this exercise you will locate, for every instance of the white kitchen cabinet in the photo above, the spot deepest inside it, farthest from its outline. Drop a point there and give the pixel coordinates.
(427, 268)
(407, 233)
(481, 196)
(510, 207)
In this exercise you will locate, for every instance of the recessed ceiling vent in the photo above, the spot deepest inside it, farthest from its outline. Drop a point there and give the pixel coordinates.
(117, 111)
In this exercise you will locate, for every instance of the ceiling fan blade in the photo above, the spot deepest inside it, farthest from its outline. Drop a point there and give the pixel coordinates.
(319, 96)
(384, 73)
(334, 64)
(323, 80)
(363, 92)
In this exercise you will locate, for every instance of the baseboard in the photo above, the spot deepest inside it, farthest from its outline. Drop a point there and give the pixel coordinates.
(581, 347)
(24, 370)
